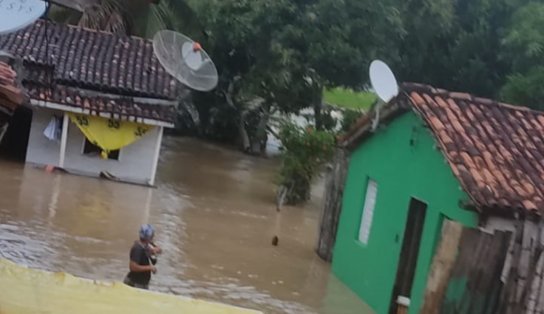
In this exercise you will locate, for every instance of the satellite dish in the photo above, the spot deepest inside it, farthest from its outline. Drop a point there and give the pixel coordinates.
(383, 80)
(17, 14)
(185, 60)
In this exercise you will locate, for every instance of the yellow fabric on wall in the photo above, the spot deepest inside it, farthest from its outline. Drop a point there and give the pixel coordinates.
(109, 134)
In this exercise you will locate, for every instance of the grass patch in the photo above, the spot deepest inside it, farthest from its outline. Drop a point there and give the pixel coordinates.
(349, 99)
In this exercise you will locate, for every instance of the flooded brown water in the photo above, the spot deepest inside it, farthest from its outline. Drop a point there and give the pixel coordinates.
(215, 215)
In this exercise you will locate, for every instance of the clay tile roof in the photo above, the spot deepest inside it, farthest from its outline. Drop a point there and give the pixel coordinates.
(93, 59)
(11, 94)
(495, 150)
(122, 108)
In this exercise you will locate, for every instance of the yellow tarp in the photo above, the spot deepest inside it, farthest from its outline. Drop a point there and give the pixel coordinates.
(24, 290)
(109, 134)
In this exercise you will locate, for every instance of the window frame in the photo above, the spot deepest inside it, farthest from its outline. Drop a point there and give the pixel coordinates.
(367, 214)
(85, 140)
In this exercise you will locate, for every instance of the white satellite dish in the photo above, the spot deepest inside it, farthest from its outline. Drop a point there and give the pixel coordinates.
(17, 14)
(383, 80)
(185, 60)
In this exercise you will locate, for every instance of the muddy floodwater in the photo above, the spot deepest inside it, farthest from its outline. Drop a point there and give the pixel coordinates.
(215, 215)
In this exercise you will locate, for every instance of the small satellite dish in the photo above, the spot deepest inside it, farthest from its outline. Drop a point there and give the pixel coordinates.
(17, 14)
(383, 80)
(185, 60)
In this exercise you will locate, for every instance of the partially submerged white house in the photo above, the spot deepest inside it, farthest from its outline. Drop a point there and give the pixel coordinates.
(108, 86)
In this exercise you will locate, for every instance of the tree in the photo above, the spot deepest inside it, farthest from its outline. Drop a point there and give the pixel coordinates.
(277, 56)
(456, 44)
(524, 47)
(305, 151)
(132, 17)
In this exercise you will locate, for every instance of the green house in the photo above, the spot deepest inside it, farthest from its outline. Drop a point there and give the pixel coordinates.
(427, 156)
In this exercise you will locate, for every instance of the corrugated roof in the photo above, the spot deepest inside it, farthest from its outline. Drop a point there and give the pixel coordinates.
(495, 150)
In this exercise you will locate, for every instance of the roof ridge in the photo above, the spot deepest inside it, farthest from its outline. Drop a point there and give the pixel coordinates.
(87, 29)
(494, 149)
(429, 89)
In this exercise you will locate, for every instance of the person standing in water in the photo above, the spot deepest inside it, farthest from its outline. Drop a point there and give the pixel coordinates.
(142, 259)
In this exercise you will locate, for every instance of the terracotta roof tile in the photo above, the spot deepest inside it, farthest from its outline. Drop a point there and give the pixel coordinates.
(495, 150)
(124, 108)
(93, 59)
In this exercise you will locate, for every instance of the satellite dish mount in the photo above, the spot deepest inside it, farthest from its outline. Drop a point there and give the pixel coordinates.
(384, 84)
(185, 60)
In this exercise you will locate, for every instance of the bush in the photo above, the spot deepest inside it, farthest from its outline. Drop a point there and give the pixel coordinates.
(349, 118)
(305, 151)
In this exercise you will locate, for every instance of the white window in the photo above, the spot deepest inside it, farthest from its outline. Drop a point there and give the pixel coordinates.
(368, 211)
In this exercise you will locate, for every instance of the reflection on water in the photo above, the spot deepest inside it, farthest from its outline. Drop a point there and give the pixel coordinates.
(215, 215)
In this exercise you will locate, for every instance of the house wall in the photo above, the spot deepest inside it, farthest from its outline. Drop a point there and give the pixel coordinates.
(493, 224)
(402, 159)
(136, 161)
(42, 151)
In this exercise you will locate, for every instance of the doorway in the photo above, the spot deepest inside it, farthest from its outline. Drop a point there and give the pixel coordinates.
(15, 140)
(409, 252)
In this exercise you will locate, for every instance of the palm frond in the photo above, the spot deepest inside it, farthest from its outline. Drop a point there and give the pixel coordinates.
(78, 5)
(64, 15)
(176, 15)
(107, 16)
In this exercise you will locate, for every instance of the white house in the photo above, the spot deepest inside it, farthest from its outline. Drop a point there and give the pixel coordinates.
(106, 78)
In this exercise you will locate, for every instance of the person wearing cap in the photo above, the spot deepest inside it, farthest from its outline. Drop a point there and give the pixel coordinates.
(142, 259)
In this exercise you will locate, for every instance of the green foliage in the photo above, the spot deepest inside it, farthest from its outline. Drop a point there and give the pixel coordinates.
(283, 53)
(287, 50)
(349, 119)
(348, 98)
(524, 48)
(133, 17)
(305, 151)
(525, 89)
(456, 44)
(524, 40)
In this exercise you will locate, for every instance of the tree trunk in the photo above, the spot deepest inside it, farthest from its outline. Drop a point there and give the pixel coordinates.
(317, 116)
(332, 205)
(244, 136)
(318, 107)
(258, 140)
(229, 95)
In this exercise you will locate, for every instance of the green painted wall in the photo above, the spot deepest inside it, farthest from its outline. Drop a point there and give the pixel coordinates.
(402, 159)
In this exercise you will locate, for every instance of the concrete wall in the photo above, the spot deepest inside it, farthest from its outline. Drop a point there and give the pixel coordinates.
(40, 150)
(401, 158)
(493, 224)
(136, 162)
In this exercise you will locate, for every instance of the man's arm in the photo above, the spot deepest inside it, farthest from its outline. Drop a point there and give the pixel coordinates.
(135, 256)
(155, 249)
(134, 267)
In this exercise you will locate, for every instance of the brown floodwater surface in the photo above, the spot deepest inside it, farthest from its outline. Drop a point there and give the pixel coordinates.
(214, 211)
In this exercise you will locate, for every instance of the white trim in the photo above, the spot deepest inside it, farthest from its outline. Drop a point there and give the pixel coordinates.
(63, 139)
(142, 100)
(156, 157)
(52, 105)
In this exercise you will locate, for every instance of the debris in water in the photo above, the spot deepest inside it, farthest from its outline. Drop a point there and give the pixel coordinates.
(275, 241)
